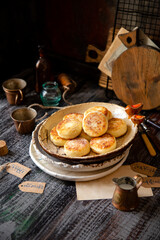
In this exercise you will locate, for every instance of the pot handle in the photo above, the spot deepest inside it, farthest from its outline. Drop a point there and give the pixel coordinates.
(139, 180)
(19, 127)
(17, 95)
(115, 180)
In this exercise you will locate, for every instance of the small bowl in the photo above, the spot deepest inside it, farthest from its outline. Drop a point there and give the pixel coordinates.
(122, 142)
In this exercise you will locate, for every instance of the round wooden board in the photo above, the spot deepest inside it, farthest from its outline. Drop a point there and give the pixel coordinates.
(136, 76)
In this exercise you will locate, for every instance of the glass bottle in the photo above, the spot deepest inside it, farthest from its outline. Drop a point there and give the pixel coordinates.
(50, 94)
(43, 70)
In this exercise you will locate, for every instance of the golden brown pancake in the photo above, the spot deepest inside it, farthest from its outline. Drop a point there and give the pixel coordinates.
(103, 144)
(95, 124)
(109, 115)
(91, 153)
(69, 128)
(77, 147)
(56, 139)
(102, 109)
(84, 135)
(78, 116)
(117, 127)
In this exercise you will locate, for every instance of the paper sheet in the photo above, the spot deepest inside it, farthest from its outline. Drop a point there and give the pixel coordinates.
(117, 48)
(112, 54)
(103, 188)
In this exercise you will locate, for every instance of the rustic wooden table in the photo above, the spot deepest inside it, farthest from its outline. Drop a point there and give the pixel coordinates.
(56, 214)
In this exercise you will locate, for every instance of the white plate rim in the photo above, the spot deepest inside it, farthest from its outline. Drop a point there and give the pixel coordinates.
(70, 175)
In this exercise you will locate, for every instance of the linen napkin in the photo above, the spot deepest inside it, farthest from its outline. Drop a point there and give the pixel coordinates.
(103, 188)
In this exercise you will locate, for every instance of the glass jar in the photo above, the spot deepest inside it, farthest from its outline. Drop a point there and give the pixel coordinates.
(50, 94)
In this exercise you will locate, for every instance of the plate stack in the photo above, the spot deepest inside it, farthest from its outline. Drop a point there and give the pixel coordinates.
(55, 163)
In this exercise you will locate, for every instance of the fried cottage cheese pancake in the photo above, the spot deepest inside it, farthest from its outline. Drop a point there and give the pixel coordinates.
(78, 116)
(102, 109)
(95, 124)
(110, 115)
(103, 144)
(69, 128)
(77, 147)
(85, 135)
(56, 139)
(117, 127)
(91, 153)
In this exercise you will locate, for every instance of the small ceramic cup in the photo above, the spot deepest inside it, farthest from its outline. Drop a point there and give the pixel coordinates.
(24, 119)
(14, 90)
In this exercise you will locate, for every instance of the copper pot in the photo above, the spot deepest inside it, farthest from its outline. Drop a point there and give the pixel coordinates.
(24, 119)
(125, 196)
(14, 90)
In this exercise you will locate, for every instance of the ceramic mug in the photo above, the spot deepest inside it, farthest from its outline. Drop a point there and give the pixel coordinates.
(24, 119)
(14, 90)
(125, 196)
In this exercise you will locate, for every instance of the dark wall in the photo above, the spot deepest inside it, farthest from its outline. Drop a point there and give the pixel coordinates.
(65, 27)
(72, 25)
(20, 32)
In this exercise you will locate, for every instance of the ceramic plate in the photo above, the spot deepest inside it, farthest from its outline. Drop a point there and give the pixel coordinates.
(72, 167)
(50, 169)
(122, 142)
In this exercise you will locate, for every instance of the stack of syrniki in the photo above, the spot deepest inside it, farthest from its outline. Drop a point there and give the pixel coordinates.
(95, 131)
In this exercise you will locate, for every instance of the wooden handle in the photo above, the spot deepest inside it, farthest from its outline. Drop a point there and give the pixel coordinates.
(148, 145)
(129, 39)
(93, 54)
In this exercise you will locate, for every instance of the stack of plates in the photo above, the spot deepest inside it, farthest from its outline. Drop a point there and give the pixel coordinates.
(71, 171)
(65, 171)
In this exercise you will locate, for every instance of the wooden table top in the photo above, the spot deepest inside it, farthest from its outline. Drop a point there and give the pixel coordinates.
(56, 214)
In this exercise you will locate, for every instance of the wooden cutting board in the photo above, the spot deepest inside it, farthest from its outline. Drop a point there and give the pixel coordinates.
(136, 73)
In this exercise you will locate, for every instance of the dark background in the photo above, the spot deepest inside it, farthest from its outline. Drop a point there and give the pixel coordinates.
(64, 27)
